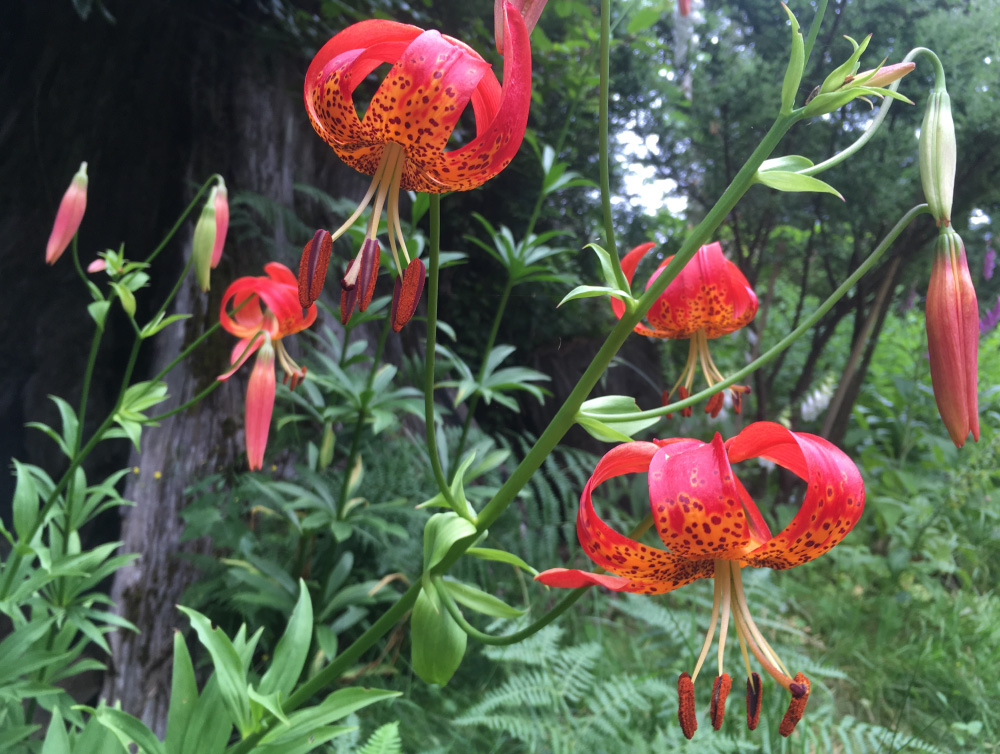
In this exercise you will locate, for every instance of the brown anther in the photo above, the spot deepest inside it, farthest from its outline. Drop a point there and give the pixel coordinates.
(720, 691)
(683, 393)
(406, 294)
(715, 404)
(348, 299)
(754, 693)
(368, 274)
(312, 267)
(797, 706)
(685, 705)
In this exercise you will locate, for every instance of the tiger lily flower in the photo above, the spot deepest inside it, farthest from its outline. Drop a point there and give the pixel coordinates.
(709, 298)
(261, 330)
(952, 317)
(713, 528)
(69, 216)
(402, 137)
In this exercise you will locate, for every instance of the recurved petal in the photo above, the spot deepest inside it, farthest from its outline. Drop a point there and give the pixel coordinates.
(650, 570)
(696, 505)
(834, 497)
(568, 578)
(495, 146)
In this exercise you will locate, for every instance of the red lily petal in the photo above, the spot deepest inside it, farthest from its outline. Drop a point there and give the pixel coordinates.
(568, 578)
(696, 505)
(419, 102)
(656, 571)
(834, 499)
(493, 149)
(709, 294)
(259, 406)
(952, 316)
(279, 292)
(241, 352)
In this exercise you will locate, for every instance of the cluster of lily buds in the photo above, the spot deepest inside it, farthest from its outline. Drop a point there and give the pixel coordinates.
(210, 233)
(69, 216)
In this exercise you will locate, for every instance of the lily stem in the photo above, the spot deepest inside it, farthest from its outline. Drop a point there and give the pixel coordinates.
(434, 248)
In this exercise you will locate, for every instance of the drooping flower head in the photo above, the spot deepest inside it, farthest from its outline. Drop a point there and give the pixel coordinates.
(713, 528)
(261, 330)
(401, 139)
(709, 298)
(952, 316)
(69, 216)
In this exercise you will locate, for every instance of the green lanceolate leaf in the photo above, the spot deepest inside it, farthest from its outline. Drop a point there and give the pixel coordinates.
(600, 417)
(789, 163)
(437, 641)
(228, 668)
(25, 501)
(293, 648)
(183, 696)
(500, 556)
(478, 600)
(796, 63)
(441, 532)
(786, 181)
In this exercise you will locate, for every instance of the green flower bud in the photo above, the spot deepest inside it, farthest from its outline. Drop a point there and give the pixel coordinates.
(938, 155)
(204, 241)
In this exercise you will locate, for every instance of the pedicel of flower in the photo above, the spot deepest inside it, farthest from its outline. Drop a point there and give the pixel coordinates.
(69, 216)
(713, 529)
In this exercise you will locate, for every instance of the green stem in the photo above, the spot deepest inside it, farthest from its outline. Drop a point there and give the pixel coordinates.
(359, 426)
(817, 22)
(602, 143)
(180, 220)
(785, 342)
(474, 400)
(434, 248)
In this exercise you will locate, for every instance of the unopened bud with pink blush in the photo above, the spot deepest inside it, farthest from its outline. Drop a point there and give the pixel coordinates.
(69, 216)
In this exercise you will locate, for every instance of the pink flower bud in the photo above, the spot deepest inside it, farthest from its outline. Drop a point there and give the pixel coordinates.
(221, 222)
(98, 265)
(953, 337)
(68, 218)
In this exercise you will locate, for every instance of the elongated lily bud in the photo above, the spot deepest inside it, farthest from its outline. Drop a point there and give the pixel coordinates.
(98, 265)
(952, 315)
(260, 405)
(69, 216)
(204, 241)
(221, 222)
(883, 75)
(938, 156)
(406, 294)
(312, 267)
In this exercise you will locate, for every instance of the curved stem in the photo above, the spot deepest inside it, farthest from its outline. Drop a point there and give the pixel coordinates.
(434, 248)
(785, 342)
(474, 400)
(181, 219)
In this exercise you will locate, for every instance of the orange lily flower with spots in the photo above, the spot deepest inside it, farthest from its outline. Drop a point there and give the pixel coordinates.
(260, 331)
(713, 528)
(402, 138)
(709, 298)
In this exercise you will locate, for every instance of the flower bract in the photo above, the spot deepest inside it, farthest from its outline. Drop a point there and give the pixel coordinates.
(265, 309)
(713, 529)
(710, 297)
